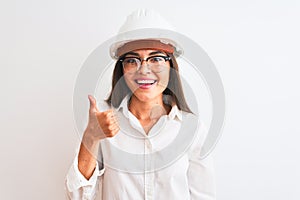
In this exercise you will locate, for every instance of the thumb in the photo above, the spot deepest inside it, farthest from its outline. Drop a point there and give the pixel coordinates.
(93, 103)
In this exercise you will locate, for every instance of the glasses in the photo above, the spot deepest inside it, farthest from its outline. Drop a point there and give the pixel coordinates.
(155, 63)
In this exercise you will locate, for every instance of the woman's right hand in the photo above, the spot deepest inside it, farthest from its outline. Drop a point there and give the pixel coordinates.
(100, 124)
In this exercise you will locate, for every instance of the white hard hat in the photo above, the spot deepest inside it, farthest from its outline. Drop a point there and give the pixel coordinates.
(146, 28)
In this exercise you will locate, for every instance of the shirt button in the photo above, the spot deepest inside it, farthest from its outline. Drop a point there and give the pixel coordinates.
(85, 197)
(148, 144)
(87, 189)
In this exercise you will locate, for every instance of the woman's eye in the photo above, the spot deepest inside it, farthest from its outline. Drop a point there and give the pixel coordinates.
(130, 61)
(156, 59)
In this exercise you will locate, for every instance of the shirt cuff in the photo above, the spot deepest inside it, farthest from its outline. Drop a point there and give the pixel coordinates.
(75, 179)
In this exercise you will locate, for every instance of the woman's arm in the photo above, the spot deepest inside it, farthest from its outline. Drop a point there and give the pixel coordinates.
(201, 178)
(83, 175)
(87, 156)
(78, 187)
(201, 175)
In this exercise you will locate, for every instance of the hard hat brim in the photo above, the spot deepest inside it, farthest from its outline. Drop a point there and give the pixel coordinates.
(133, 40)
(144, 44)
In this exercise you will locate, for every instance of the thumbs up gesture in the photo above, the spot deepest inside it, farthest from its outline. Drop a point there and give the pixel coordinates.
(100, 124)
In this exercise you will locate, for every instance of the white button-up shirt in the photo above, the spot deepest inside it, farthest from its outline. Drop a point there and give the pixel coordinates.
(154, 166)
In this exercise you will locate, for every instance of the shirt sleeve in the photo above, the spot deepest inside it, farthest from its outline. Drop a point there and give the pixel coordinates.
(78, 187)
(201, 175)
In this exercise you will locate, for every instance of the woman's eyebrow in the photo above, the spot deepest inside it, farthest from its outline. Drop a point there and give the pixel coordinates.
(156, 52)
(132, 53)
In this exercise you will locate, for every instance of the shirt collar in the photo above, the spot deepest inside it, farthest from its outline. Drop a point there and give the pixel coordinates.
(174, 113)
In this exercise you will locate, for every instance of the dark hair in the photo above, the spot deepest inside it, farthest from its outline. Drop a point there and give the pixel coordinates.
(174, 89)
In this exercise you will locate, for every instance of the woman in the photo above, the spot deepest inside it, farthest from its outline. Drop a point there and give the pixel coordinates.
(140, 120)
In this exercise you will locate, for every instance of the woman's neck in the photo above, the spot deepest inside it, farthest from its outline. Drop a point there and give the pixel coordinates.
(148, 113)
(143, 110)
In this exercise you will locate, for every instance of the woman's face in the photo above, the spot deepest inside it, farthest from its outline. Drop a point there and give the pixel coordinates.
(149, 81)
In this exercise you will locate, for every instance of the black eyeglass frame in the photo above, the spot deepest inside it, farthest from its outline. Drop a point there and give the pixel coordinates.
(166, 58)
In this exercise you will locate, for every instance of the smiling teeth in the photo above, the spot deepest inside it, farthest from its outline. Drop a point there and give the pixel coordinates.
(145, 81)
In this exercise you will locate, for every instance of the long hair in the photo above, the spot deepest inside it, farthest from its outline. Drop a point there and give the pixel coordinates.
(120, 89)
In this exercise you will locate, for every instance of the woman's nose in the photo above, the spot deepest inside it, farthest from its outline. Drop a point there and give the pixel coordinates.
(144, 68)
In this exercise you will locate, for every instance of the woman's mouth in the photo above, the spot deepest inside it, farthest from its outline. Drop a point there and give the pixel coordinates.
(145, 83)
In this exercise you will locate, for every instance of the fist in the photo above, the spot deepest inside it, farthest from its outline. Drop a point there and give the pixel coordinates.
(101, 124)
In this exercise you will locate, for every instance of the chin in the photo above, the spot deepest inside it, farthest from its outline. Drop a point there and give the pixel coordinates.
(144, 97)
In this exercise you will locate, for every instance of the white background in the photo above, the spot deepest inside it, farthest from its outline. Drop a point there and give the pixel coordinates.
(254, 45)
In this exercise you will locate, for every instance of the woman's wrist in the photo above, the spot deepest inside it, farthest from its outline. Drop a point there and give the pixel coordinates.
(88, 140)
